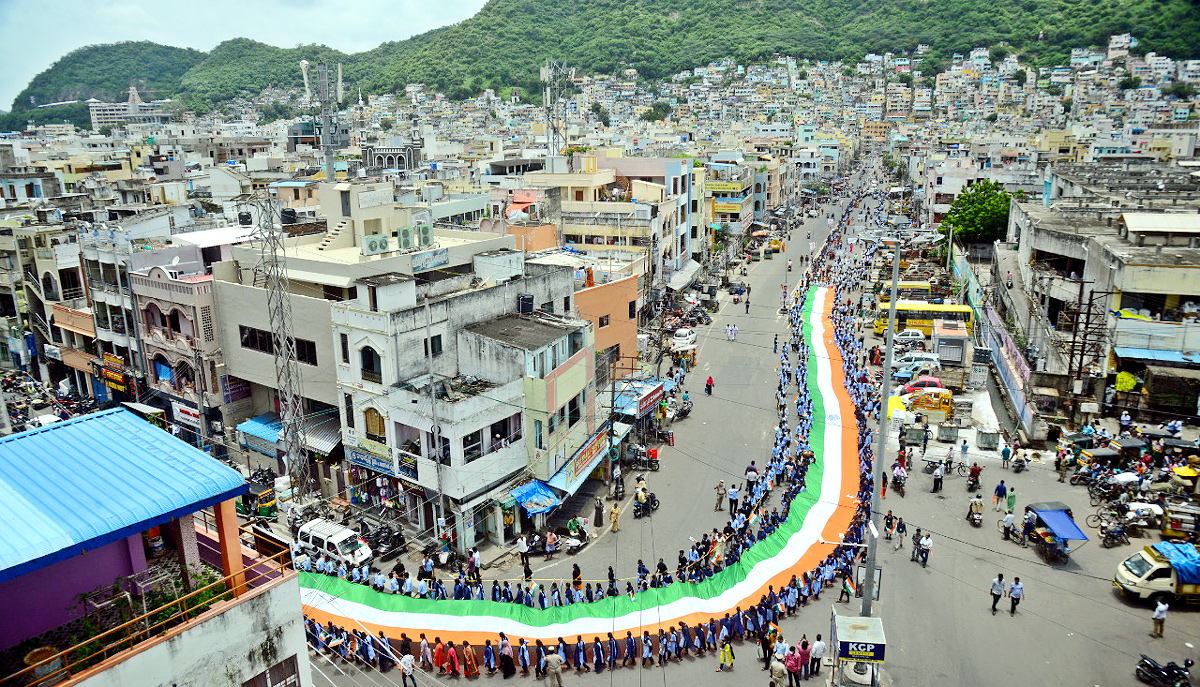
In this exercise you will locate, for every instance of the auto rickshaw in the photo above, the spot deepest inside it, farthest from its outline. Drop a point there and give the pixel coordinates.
(1105, 457)
(1129, 448)
(260, 500)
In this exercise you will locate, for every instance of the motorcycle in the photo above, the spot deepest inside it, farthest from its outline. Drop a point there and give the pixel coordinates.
(789, 265)
(442, 558)
(972, 484)
(678, 411)
(1171, 675)
(651, 505)
(1018, 465)
(898, 484)
(391, 544)
(640, 459)
(1112, 535)
(975, 518)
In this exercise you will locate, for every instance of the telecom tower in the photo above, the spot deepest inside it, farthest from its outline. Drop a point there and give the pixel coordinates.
(557, 80)
(326, 96)
(270, 272)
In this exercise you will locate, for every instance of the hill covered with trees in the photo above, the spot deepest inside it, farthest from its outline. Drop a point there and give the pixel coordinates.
(505, 42)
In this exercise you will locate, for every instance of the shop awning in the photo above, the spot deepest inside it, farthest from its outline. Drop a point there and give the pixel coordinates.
(684, 276)
(1061, 524)
(265, 427)
(573, 474)
(515, 208)
(321, 434)
(535, 496)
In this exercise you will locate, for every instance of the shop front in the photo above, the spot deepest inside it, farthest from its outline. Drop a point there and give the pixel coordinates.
(388, 478)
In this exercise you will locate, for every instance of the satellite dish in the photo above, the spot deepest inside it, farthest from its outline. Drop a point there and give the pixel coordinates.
(174, 261)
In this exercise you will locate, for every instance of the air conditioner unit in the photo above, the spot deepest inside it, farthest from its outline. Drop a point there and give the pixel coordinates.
(405, 238)
(374, 245)
(424, 234)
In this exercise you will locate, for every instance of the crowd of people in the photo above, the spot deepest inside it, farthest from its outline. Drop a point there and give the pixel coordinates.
(751, 521)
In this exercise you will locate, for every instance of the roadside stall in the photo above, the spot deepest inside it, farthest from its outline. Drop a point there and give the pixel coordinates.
(1054, 529)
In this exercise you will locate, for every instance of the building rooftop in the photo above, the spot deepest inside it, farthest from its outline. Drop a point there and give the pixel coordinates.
(76, 485)
(523, 331)
(385, 279)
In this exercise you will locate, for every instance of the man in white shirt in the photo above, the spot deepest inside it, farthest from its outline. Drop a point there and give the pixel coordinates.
(523, 549)
(926, 545)
(998, 590)
(938, 473)
(1159, 617)
(1008, 524)
(1016, 592)
(407, 670)
(818, 652)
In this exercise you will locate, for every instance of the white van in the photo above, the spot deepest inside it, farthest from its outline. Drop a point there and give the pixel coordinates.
(916, 357)
(320, 536)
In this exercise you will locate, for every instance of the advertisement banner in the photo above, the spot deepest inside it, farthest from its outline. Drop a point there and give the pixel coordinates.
(185, 415)
(429, 259)
(582, 462)
(723, 186)
(866, 652)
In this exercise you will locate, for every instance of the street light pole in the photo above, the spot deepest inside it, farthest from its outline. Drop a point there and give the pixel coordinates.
(876, 470)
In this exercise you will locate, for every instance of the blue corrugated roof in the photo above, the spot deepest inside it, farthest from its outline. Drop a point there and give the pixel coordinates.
(266, 427)
(80, 484)
(1156, 355)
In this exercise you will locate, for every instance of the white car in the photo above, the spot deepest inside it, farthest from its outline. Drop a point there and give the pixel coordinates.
(909, 336)
(683, 337)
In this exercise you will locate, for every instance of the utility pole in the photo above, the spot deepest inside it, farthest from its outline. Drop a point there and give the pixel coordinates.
(881, 444)
(436, 430)
(201, 402)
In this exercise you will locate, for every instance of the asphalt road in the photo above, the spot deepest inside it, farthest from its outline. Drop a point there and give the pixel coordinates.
(1071, 630)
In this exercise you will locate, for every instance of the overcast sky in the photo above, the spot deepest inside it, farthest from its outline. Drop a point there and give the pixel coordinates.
(35, 33)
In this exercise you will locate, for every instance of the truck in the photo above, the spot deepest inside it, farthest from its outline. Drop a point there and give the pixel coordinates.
(954, 378)
(1165, 571)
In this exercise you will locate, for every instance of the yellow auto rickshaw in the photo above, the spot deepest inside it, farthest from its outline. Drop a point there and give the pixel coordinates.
(260, 500)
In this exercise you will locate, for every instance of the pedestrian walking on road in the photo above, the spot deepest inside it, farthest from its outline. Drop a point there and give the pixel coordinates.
(998, 496)
(733, 498)
(1015, 593)
(938, 473)
(1160, 618)
(554, 664)
(916, 542)
(963, 450)
(818, 653)
(1005, 454)
(599, 514)
(998, 591)
(729, 332)
(1011, 503)
(926, 545)
(775, 346)
(747, 306)
(726, 653)
(735, 331)
(708, 386)
(901, 531)
(615, 516)
(721, 491)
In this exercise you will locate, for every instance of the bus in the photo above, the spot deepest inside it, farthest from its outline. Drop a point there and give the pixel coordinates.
(908, 290)
(920, 315)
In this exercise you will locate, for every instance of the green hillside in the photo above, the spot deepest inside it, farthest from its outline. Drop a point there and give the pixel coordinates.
(107, 71)
(505, 43)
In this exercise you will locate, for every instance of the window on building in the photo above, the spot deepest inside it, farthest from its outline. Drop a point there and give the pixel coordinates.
(548, 306)
(349, 402)
(578, 196)
(372, 366)
(537, 434)
(433, 344)
(372, 299)
(472, 446)
(551, 422)
(306, 352)
(344, 340)
(939, 181)
(566, 304)
(573, 411)
(256, 339)
(374, 425)
(282, 674)
(632, 310)
(575, 341)
(603, 321)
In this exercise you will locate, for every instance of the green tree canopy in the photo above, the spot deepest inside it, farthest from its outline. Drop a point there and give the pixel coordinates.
(1020, 76)
(659, 111)
(979, 214)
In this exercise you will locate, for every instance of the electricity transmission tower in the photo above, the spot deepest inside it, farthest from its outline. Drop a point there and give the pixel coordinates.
(270, 273)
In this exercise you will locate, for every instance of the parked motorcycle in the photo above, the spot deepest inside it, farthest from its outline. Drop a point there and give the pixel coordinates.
(1170, 675)
(640, 459)
(1112, 535)
(1018, 465)
(391, 544)
(651, 505)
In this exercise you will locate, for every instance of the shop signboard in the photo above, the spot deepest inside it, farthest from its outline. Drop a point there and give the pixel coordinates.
(582, 462)
(723, 186)
(429, 259)
(649, 400)
(186, 415)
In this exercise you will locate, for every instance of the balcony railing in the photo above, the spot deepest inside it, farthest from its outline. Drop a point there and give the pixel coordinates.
(152, 624)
